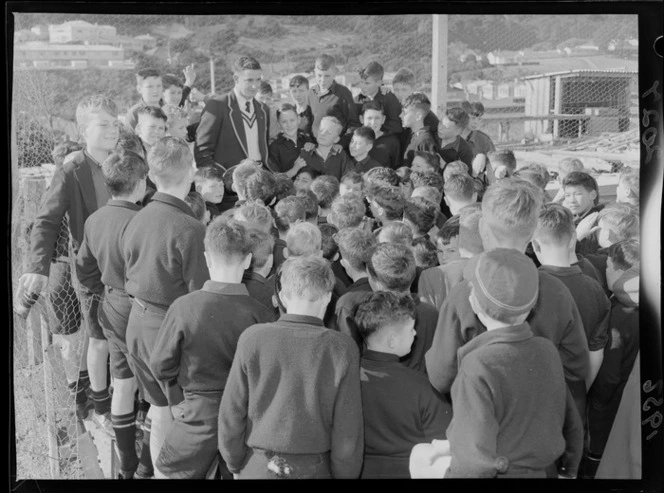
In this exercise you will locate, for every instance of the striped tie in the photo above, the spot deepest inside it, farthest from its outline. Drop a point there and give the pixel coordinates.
(249, 119)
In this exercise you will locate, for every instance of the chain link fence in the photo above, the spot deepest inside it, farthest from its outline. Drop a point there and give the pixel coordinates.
(561, 80)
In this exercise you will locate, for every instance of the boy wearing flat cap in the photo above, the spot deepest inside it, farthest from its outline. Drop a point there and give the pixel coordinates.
(512, 413)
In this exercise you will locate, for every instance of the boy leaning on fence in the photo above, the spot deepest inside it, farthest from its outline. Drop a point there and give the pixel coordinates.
(100, 270)
(76, 191)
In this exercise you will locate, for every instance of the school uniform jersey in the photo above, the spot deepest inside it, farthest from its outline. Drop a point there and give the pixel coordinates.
(337, 102)
(387, 151)
(365, 165)
(459, 150)
(198, 337)
(346, 306)
(391, 110)
(258, 288)
(337, 164)
(163, 252)
(294, 388)
(436, 282)
(400, 410)
(510, 401)
(100, 261)
(422, 140)
(283, 151)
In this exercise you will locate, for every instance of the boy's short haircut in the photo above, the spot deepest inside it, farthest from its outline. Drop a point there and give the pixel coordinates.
(404, 172)
(324, 62)
(502, 157)
(146, 73)
(334, 120)
(283, 186)
(469, 229)
(372, 69)
(228, 238)
(264, 87)
(427, 179)
(328, 242)
(432, 194)
(314, 173)
(197, 204)
(388, 198)
(303, 239)
(631, 178)
(449, 230)
(298, 80)
(208, 173)
(262, 244)
(94, 104)
(535, 173)
(569, 164)
(169, 80)
(460, 187)
(392, 265)
(288, 211)
(425, 253)
(255, 215)
(228, 179)
(381, 310)
(241, 174)
(170, 160)
(555, 225)
(355, 246)
(352, 177)
(510, 208)
(286, 107)
(326, 188)
(454, 168)
(430, 158)
(419, 101)
(476, 108)
(625, 254)
(174, 112)
(129, 141)
(621, 223)
(152, 111)
(260, 186)
(404, 76)
(310, 203)
(396, 232)
(582, 179)
(245, 63)
(381, 174)
(308, 278)
(123, 171)
(366, 133)
(372, 105)
(421, 213)
(458, 116)
(347, 211)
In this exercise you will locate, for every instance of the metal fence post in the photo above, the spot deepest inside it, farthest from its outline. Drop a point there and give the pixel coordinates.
(439, 64)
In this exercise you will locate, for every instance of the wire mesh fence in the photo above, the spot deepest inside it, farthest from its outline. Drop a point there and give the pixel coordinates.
(541, 79)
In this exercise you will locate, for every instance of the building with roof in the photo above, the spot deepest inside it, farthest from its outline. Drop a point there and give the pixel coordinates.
(578, 102)
(80, 32)
(36, 54)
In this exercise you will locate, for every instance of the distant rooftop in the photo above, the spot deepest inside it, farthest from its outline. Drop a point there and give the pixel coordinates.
(580, 72)
(41, 46)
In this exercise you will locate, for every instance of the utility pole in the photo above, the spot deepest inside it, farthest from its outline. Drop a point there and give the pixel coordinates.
(439, 64)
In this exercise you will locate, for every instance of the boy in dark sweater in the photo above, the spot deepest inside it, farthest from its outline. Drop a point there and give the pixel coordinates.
(360, 148)
(209, 182)
(163, 251)
(292, 406)
(513, 413)
(415, 108)
(100, 269)
(255, 277)
(509, 218)
(287, 212)
(195, 347)
(399, 405)
(391, 267)
(371, 80)
(582, 198)
(386, 148)
(553, 242)
(321, 158)
(622, 274)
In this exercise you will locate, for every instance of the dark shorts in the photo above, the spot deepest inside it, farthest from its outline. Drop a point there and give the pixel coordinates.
(191, 442)
(142, 329)
(303, 466)
(64, 308)
(113, 319)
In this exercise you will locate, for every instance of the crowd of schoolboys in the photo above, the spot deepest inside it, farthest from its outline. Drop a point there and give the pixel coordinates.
(381, 295)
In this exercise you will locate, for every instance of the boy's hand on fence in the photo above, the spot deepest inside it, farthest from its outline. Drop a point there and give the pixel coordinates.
(586, 226)
(29, 284)
(189, 75)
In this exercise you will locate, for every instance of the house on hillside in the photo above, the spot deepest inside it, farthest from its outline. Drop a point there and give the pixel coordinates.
(37, 54)
(625, 46)
(470, 55)
(503, 57)
(531, 56)
(81, 32)
(138, 43)
(581, 50)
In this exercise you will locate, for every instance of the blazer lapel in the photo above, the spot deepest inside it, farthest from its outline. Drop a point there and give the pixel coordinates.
(236, 122)
(261, 118)
(86, 185)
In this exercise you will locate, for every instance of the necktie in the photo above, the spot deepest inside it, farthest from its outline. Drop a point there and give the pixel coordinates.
(250, 118)
(248, 107)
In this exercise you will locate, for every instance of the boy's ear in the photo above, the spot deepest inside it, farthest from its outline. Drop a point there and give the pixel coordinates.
(447, 201)
(247, 261)
(336, 257)
(537, 248)
(286, 252)
(474, 196)
(362, 119)
(593, 193)
(337, 138)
